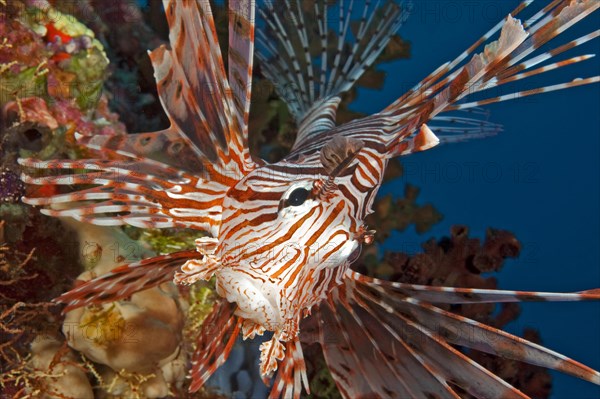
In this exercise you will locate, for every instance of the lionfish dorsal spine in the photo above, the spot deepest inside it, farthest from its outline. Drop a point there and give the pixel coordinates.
(194, 87)
(241, 59)
(508, 59)
(176, 177)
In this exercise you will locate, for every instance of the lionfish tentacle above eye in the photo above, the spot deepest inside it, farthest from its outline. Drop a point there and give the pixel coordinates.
(376, 339)
(338, 153)
(288, 58)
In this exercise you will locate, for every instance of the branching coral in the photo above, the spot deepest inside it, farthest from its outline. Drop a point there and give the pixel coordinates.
(22, 318)
(51, 371)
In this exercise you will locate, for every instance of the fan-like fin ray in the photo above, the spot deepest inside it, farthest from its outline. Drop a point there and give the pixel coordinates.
(466, 332)
(241, 57)
(472, 334)
(291, 374)
(377, 338)
(219, 333)
(465, 125)
(290, 62)
(372, 348)
(511, 57)
(455, 366)
(138, 192)
(414, 371)
(194, 89)
(367, 357)
(391, 378)
(343, 362)
(126, 280)
(453, 295)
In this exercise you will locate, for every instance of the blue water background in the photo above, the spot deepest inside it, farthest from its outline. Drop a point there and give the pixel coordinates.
(538, 179)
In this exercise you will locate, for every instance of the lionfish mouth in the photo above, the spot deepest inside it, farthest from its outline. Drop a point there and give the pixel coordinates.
(257, 299)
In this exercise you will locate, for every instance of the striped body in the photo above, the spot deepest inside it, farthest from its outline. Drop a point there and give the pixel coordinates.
(281, 248)
(282, 236)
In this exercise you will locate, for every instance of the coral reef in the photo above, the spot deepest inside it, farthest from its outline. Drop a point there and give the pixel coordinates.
(53, 70)
(123, 27)
(64, 376)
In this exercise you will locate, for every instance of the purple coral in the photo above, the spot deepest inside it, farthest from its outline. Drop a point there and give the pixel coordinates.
(11, 187)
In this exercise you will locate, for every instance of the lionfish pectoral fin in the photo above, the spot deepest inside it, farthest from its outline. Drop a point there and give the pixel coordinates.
(136, 191)
(368, 357)
(125, 280)
(378, 339)
(218, 335)
(312, 89)
(143, 182)
(403, 305)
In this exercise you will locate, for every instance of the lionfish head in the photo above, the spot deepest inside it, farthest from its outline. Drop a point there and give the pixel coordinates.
(288, 233)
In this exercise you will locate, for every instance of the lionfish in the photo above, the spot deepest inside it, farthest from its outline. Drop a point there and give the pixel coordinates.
(282, 236)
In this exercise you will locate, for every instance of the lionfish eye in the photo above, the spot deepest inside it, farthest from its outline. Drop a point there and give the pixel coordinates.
(297, 197)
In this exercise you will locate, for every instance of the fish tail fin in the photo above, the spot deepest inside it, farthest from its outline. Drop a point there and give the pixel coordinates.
(125, 280)
(312, 65)
(378, 339)
(217, 337)
(511, 58)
